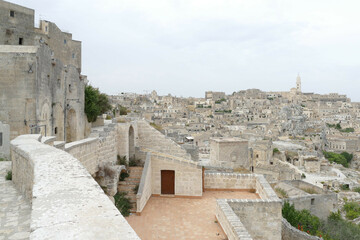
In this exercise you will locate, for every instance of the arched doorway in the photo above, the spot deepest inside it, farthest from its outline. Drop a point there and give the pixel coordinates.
(131, 143)
(71, 126)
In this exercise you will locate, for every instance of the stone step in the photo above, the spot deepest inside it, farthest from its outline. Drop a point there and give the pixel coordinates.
(129, 183)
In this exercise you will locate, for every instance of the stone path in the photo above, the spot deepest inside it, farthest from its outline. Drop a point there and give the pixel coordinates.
(14, 209)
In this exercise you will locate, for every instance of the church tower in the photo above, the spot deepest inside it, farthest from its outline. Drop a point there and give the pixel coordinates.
(298, 84)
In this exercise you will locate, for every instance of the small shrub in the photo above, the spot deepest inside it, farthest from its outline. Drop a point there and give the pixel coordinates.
(344, 187)
(123, 175)
(108, 117)
(133, 162)
(352, 210)
(303, 176)
(2, 159)
(357, 189)
(8, 175)
(275, 150)
(136, 188)
(121, 160)
(122, 203)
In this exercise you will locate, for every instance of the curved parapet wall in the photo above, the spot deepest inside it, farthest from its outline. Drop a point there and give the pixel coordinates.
(67, 203)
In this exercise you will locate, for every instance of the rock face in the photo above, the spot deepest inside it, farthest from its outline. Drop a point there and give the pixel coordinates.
(294, 121)
(108, 177)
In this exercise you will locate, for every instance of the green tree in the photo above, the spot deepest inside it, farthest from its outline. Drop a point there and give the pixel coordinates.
(96, 103)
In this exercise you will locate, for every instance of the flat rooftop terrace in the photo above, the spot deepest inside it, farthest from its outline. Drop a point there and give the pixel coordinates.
(183, 218)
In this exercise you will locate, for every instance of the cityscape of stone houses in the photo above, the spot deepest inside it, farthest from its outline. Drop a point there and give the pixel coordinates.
(218, 167)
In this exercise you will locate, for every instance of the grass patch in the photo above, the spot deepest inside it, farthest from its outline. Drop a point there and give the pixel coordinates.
(122, 203)
(275, 150)
(157, 127)
(281, 193)
(309, 190)
(357, 189)
(2, 159)
(8, 175)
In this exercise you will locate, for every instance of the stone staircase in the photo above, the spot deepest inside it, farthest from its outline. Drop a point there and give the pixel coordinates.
(130, 183)
(150, 138)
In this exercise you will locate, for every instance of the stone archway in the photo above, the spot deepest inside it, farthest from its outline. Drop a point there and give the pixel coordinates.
(71, 126)
(131, 142)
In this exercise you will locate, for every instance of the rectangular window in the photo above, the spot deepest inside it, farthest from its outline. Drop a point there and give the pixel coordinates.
(12, 13)
(56, 130)
(312, 201)
(64, 41)
(20, 41)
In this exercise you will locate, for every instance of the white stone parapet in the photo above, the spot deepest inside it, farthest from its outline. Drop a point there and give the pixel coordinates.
(67, 203)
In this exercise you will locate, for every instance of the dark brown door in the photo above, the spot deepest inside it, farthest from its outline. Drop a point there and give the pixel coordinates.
(167, 182)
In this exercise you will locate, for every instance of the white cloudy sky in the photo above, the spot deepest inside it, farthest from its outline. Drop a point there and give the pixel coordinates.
(185, 47)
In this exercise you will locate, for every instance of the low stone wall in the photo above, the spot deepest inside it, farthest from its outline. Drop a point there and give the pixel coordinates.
(67, 203)
(145, 186)
(86, 151)
(22, 168)
(320, 205)
(288, 232)
(230, 222)
(218, 181)
(264, 189)
(229, 181)
(188, 174)
(261, 217)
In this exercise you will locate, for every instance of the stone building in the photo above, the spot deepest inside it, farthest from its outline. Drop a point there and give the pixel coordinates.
(229, 153)
(42, 89)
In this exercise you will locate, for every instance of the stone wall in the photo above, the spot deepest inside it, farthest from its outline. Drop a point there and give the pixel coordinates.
(4, 141)
(145, 186)
(150, 138)
(40, 76)
(86, 151)
(67, 203)
(320, 205)
(229, 181)
(188, 174)
(229, 153)
(288, 232)
(230, 222)
(261, 218)
(100, 148)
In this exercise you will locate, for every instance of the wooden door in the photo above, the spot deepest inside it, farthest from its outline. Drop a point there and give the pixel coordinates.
(167, 182)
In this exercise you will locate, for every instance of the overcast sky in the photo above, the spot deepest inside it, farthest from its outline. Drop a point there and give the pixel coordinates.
(186, 47)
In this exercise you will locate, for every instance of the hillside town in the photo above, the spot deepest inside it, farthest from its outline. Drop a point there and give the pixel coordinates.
(76, 163)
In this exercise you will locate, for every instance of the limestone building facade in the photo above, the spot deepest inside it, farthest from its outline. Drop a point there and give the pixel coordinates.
(229, 153)
(42, 89)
